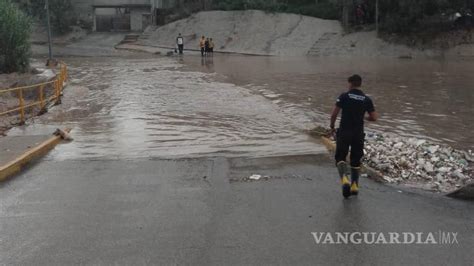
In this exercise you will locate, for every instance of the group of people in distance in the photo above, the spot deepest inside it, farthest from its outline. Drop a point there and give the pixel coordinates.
(207, 46)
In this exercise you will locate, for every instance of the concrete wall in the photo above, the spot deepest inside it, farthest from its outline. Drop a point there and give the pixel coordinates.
(122, 2)
(163, 4)
(136, 18)
(85, 7)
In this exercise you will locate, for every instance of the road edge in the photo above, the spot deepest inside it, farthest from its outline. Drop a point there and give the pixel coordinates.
(15, 166)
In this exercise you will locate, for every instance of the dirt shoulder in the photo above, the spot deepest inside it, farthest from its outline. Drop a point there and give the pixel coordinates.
(9, 100)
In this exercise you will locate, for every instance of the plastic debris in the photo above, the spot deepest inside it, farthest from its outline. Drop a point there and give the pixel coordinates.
(255, 177)
(418, 161)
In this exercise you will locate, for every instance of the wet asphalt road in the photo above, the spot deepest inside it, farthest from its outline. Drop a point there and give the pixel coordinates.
(112, 197)
(200, 212)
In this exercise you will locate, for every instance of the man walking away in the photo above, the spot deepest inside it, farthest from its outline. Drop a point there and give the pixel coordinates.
(354, 104)
(180, 43)
(202, 45)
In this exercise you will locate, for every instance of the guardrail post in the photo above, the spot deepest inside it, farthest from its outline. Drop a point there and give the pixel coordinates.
(61, 81)
(22, 106)
(42, 102)
(57, 88)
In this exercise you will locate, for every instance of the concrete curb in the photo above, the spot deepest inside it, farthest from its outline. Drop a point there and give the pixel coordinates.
(15, 166)
(465, 193)
(121, 47)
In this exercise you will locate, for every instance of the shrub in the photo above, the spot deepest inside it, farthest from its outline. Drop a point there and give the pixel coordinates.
(15, 27)
(62, 15)
(322, 9)
(408, 16)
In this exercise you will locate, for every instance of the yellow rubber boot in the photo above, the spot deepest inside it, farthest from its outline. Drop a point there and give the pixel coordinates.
(342, 168)
(355, 173)
(346, 187)
(354, 189)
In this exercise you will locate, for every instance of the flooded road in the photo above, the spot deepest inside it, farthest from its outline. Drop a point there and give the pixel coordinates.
(100, 199)
(132, 108)
(250, 106)
(421, 98)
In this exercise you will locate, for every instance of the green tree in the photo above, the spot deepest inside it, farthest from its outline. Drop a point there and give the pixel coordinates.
(62, 12)
(62, 15)
(15, 27)
(404, 16)
(327, 9)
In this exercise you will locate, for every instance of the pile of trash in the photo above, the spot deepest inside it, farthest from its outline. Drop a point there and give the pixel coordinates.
(414, 162)
(418, 162)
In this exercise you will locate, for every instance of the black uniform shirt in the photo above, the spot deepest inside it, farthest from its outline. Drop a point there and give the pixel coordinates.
(354, 104)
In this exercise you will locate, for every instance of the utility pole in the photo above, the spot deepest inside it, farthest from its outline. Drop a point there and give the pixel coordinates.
(49, 34)
(345, 14)
(377, 17)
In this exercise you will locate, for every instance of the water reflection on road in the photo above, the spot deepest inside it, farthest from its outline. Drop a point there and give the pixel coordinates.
(423, 98)
(130, 108)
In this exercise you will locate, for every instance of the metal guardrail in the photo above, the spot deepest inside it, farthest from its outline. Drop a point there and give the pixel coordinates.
(57, 84)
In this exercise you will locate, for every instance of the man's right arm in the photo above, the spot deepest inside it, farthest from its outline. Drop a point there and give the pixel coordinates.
(334, 114)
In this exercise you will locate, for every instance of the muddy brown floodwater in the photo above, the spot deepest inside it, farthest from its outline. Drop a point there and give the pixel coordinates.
(132, 108)
(249, 106)
(430, 99)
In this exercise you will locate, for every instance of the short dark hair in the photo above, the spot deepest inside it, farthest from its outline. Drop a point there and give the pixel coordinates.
(355, 80)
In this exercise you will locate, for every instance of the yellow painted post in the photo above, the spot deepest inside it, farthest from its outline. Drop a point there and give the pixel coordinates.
(58, 92)
(61, 76)
(22, 106)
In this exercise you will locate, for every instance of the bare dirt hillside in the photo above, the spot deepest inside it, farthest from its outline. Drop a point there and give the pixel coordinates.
(257, 32)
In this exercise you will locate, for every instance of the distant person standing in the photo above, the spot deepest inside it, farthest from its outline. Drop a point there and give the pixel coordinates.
(180, 43)
(202, 45)
(354, 105)
(367, 11)
(360, 14)
(211, 46)
(206, 46)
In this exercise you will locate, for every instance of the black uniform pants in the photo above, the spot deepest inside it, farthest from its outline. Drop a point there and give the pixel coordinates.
(180, 48)
(354, 140)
